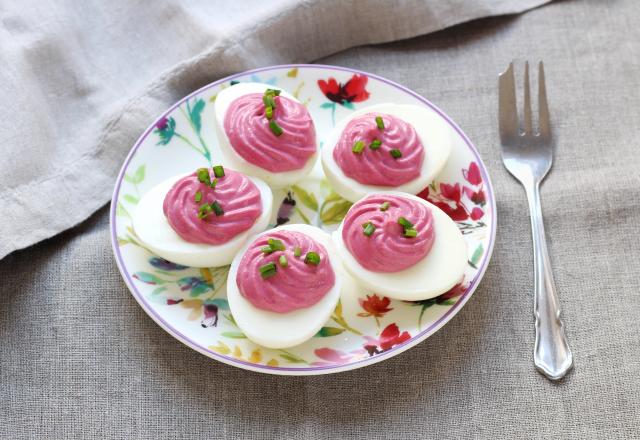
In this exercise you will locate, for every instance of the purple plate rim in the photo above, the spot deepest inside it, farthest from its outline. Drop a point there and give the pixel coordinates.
(310, 370)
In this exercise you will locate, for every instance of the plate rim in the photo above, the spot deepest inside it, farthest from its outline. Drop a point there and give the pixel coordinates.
(310, 370)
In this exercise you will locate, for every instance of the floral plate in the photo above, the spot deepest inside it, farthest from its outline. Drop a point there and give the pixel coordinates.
(365, 327)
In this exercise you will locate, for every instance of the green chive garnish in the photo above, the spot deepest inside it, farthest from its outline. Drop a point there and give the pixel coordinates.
(268, 101)
(384, 206)
(380, 122)
(204, 210)
(213, 184)
(358, 147)
(203, 176)
(297, 251)
(312, 258)
(275, 128)
(268, 112)
(369, 229)
(274, 92)
(268, 270)
(233, 82)
(405, 223)
(375, 144)
(283, 261)
(276, 245)
(266, 249)
(410, 233)
(395, 153)
(217, 208)
(408, 229)
(198, 196)
(218, 171)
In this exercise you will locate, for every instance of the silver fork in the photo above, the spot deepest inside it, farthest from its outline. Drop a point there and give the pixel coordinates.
(528, 156)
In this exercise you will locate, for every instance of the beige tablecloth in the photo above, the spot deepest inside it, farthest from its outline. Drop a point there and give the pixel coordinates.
(80, 359)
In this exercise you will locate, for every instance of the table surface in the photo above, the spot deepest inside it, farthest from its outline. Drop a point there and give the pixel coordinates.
(80, 358)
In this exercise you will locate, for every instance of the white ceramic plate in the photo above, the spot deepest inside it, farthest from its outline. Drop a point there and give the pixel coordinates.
(365, 328)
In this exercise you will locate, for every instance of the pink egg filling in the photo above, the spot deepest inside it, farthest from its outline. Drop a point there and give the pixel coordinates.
(296, 286)
(387, 249)
(238, 197)
(249, 134)
(379, 167)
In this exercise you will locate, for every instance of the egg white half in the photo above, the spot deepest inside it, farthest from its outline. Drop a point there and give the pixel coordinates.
(237, 162)
(154, 231)
(441, 269)
(434, 133)
(282, 330)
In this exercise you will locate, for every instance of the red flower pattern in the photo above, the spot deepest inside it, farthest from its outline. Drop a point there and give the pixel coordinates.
(472, 174)
(352, 91)
(374, 306)
(450, 197)
(389, 338)
(454, 292)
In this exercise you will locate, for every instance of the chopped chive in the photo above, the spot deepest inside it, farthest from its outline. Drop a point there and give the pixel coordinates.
(405, 223)
(275, 128)
(297, 251)
(358, 147)
(233, 82)
(268, 101)
(384, 206)
(218, 171)
(380, 122)
(268, 112)
(276, 245)
(395, 153)
(275, 92)
(217, 208)
(266, 249)
(268, 270)
(213, 183)
(375, 144)
(198, 196)
(204, 210)
(283, 261)
(369, 229)
(410, 233)
(203, 175)
(312, 258)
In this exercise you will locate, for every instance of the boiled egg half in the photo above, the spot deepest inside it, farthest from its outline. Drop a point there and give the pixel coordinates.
(284, 285)
(386, 147)
(202, 219)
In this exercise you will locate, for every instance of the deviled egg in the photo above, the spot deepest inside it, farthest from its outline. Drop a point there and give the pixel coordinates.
(401, 246)
(284, 285)
(264, 131)
(202, 219)
(386, 147)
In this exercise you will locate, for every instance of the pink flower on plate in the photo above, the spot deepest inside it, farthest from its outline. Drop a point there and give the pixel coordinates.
(472, 174)
(454, 292)
(389, 338)
(476, 213)
(477, 197)
(331, 356)
(451, 192)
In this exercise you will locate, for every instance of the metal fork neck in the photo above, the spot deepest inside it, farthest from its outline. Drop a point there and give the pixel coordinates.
(552, 355)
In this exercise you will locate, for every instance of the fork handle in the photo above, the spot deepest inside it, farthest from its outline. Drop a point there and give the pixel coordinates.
(552, 355)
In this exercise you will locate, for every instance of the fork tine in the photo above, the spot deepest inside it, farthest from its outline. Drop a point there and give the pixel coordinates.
(527, 101)
(507, 112)
(543, 107)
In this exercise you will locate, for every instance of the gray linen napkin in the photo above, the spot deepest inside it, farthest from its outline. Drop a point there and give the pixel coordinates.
(81, 80)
